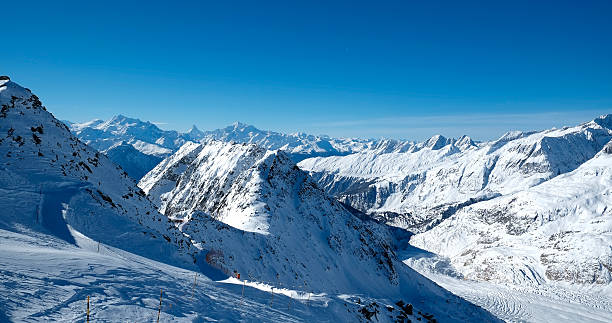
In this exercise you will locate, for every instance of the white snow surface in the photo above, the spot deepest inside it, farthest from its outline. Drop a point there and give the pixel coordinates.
(45, 279)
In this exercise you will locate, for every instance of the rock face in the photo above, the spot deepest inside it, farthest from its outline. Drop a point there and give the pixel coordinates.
(257, 213)
(418, 188)
(268, 218)
(51, 182)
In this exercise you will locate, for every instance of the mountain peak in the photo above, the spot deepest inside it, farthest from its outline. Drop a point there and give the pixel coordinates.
(121, 119)
(239, 125)
(436, 142)
(194, 134)
(464, 142)
(194, 129)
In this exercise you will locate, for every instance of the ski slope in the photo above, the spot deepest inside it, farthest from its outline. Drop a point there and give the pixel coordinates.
(46, 279)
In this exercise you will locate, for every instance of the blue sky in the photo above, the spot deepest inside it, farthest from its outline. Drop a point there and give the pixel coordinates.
(405, 69)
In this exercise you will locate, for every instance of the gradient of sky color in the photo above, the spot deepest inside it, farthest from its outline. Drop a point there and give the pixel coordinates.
(402, 69)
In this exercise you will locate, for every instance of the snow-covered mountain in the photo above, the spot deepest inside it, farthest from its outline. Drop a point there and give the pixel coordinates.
(257, 213)
(55, 184)
(421, 186)
(151, 144)
(144, 136)
(560, 230)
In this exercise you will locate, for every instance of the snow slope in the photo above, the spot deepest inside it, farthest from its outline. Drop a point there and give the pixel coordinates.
(49, 180)
(420, 187)
(257, 213)
(560, 230)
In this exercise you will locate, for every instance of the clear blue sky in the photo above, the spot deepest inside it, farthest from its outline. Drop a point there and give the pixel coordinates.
(405, 69)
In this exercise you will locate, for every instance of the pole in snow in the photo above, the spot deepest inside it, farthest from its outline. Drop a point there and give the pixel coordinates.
(290, 299)
(242, 298)
(161, 292)
(87, 309)
(194, 285)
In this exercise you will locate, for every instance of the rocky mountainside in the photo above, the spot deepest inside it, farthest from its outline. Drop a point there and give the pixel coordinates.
(257, 213)
(427, 183)
(54, 184)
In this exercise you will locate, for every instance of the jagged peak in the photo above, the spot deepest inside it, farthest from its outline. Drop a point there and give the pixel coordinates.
(436, 142)
(194, 129)
(465, 142)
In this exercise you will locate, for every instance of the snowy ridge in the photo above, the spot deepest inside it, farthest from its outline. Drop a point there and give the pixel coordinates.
(420, 187)
(53, 183)
(256, 212)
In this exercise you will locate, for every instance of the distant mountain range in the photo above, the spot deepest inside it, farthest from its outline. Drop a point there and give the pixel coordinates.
(154, 144)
